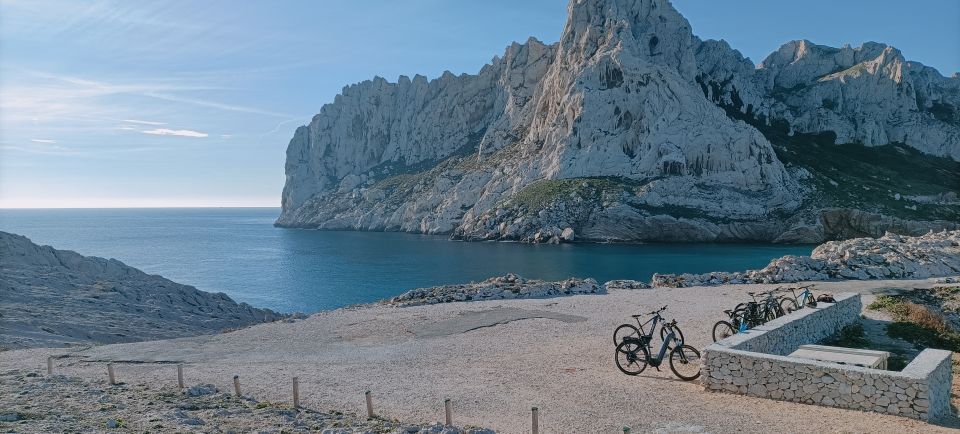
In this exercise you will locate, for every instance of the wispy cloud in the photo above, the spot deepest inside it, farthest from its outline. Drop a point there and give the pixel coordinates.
(43, 141)
(41, 96)
(213, 104)
(137, 121)
(169, 132)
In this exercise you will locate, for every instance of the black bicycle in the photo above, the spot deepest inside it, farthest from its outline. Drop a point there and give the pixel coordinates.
(739, 320)
(631, 331)
(748, 315)
(634, 354)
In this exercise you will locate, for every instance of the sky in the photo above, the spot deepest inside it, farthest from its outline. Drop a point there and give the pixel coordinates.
(186, 103)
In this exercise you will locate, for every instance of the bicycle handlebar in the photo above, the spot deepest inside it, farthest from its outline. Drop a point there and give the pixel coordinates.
(658, 311)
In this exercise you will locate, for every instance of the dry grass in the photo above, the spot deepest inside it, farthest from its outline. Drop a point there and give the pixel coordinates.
(920, 315)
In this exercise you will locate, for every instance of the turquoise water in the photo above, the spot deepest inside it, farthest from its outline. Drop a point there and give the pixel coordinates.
(239, 252)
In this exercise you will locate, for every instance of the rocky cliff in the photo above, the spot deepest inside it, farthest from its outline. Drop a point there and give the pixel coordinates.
(56, 297)
(631, 128)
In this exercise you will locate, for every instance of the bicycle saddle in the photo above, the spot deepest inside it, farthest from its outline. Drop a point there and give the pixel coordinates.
(637, 315)
(728, 311)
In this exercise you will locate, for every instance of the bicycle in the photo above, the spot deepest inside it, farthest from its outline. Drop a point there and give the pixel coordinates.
(739, 320)
(748, 315)
(769, 306)
(628, 330)
(794, 303)
(633, 355)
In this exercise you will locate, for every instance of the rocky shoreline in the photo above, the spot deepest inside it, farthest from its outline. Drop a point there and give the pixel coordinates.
(936, 254)
(506, 287)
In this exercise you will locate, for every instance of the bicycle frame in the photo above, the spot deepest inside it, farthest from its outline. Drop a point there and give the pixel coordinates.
(656, 319)
(801, 300)
(655, 361)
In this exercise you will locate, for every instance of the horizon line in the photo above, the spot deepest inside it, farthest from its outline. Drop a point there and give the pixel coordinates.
(136, 207)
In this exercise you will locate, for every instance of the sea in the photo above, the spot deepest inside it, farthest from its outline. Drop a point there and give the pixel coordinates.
(238, 251)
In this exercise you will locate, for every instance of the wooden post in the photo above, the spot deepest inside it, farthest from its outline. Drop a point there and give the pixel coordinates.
(49, 365)
(535, 429)
(236, 385)
(369, 404)
(180, 375)
(448, 410)
(110, 376)
(296, 392)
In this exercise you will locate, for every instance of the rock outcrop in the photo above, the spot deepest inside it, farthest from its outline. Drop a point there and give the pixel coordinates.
(54, 298)
(496, 288)
(870, 94)
(888, 257)
(629, 128)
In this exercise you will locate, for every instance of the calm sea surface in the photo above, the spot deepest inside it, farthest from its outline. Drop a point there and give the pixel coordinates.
(239, 252)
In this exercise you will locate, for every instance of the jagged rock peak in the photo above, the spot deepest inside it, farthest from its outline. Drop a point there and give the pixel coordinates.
(628, 128)
(800, 61)
(650, 29)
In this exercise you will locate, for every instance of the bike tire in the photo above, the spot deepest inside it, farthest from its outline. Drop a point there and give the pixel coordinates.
(685, 362)
(723, 330)
(789, 305)
(769, 313)
(625, 330)
(631, 357)
(679, 334)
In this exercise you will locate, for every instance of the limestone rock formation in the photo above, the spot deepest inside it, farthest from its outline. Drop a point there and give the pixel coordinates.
(870, 94)
(630, 128)
(891, 256)
(496, 288)
(58, 297)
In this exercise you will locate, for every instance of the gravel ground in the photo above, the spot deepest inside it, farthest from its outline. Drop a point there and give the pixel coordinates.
(494, 370)
(59, 403)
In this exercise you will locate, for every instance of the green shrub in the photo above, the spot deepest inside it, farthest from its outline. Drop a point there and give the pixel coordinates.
(884, 302)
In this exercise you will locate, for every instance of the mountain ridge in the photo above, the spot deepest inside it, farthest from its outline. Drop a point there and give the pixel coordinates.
(637, 128)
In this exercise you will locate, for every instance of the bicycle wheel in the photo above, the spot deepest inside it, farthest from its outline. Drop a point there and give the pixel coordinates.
(770, 313)
(631, 357)
(685, 362)
(623, 331)
(677, 331)
(723, 330)
(789, 305)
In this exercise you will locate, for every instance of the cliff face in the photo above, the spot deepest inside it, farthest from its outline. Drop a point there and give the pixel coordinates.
(869, 95)
(628, 128)
(56, 297)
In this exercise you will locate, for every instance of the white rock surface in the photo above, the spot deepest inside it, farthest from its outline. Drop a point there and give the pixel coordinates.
(496, 288)
(869, 94)
(54, 298)
(628, 96)
(889, 257)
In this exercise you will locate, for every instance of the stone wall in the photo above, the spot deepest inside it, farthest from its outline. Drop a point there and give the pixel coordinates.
(755, 363)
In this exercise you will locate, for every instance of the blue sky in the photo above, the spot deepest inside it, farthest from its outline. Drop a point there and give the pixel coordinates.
(186, 103)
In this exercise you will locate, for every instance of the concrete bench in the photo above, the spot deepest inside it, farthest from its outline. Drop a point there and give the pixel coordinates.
(846, 356)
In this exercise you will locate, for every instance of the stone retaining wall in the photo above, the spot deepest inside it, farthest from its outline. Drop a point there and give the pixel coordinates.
(755, 363)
